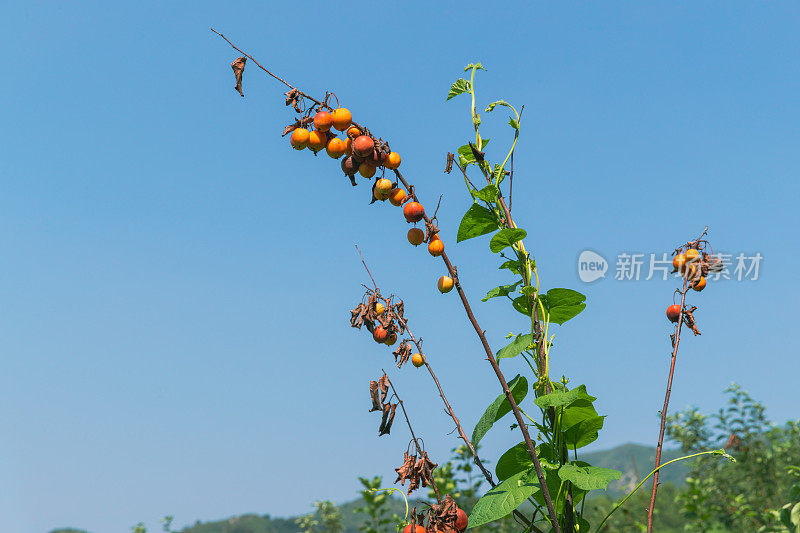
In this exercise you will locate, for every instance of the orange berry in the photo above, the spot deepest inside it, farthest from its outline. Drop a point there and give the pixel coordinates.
(384, 186)
(396, 196)
(679, 262)
(391, 339)
(692, 255)
(342, 118)
(366, 170)
(416, 236)
(461, 520)
(700, 284)
(380, 334)
(299, 138)
(417, 360)
(363, 146)
(335, 148)
(435, 237)
(445, 284)
(413, 211)
(673, 312)
(348, 146)
(353, 132)
(392, 161)
(317, 140)
(436, 247)
(323, 121)
(379, 308)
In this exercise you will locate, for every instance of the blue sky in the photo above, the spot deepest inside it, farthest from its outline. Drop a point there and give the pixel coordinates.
(176, 280)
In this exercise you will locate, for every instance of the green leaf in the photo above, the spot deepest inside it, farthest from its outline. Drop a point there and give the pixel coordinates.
(477, 66)
(484, 142)
(459, 86)
(502, 500)
(477, 221)
(559, 398)
(516, 459)
(502, 290)
(491, 106)
(513, 266)
(587, 477)
(577, 412)
(465, 153)
(505, 238)
(563, 304)
(488, 194)
(522, 304)
(584, 432)
(499, 408)
(520, 343)
(514, 123)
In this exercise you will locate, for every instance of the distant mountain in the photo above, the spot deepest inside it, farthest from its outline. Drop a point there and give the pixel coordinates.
(634, 460)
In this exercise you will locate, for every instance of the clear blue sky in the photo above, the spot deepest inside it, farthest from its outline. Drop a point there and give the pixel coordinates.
(176, 280)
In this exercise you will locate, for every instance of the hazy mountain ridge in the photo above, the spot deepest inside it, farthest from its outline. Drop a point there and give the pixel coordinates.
(634, 460)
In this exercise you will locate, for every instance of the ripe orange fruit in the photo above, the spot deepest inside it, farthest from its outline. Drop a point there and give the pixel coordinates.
(348, 146)
(413, 211)
(436, 247)
(673, 312)
(445, 284)
(416, 236)
(396, 196)
(323, 121)
(363, 146)
(692, 255)
(349, 166)
(391, 339)
(299, 138)
(335, 148)
(342, 118)
(417, 360)
(380, 334)
(379, 308)
(461, 520)
(317, 140)
(410, 528)
(353, 132)
(366, 170)
(392, 161)
(700, 284)
(679, 262)
(435, 237)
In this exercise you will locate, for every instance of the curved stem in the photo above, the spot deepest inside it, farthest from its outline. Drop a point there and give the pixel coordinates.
(631, 493)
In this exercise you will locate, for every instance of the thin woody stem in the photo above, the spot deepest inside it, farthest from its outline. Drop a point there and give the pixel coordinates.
(413, 436)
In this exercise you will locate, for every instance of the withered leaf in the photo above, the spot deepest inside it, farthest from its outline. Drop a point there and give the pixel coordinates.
(293, 99)
(398, 310)
(388, 427)
(357, 316)
(449, 167)
(238, 70)
(383, 385)
(405, 470)
(402, 353)
(688, 319)
(384, 419)
(479, 156)
(374, 396)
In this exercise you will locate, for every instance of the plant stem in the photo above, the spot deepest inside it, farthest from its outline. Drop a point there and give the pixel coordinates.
(666, 405)
(503, 383)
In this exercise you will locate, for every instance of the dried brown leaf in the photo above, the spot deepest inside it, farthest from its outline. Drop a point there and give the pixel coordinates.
(293, 99)
(383, 385)
(387, 427)
(238, 70)
(402, 353)
(449, 167)
(374, 395)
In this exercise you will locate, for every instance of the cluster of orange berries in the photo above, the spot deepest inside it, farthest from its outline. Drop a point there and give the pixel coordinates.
(460, 525)
(382, 336)
(361, 154)
(688, 264)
